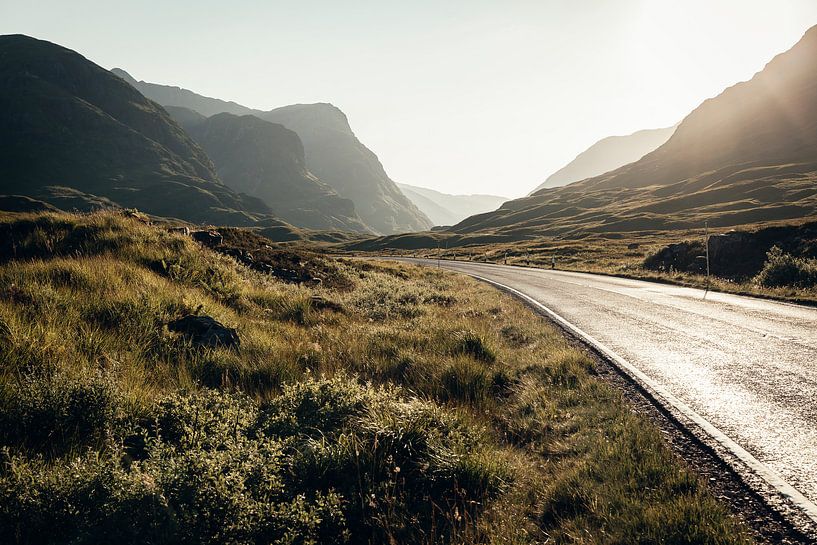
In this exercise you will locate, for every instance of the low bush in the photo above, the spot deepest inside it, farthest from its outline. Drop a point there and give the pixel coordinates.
(314, 408)
(326, 460)
(410, 470)
(782, 270)
(56, 413)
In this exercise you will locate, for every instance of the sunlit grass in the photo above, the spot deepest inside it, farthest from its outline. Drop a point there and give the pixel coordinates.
(410, 406)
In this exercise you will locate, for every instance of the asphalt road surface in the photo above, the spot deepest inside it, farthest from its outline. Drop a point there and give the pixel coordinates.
(748, 366)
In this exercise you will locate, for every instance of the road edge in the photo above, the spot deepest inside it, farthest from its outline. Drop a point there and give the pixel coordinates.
(777, 494)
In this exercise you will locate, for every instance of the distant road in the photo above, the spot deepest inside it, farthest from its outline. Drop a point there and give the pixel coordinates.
(747, 366)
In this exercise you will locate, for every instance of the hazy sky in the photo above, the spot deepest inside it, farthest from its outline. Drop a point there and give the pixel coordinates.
(461, 96)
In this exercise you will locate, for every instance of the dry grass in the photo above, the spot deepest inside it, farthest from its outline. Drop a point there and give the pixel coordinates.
(419, 407)
(617, 254)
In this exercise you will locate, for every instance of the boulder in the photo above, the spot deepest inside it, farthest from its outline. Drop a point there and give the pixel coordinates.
(183, 230)
(205, 331)
(207, 237)
(728, 245)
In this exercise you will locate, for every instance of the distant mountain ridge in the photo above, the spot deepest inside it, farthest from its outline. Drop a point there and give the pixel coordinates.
(747, 155)
(608, 154)
(73, 133)
(266, 160)
(333, 153)
(446, 209)
(337, 157)
(168, 95)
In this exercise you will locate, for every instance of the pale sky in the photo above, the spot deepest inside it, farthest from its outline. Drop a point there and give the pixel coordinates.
(462, 96)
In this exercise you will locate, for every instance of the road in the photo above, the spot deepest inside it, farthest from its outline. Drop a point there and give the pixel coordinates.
(747, 366)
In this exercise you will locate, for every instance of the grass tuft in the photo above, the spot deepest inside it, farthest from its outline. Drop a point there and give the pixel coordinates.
(472, 344)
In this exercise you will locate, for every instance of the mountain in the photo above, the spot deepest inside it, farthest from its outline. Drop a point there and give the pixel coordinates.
(608, 154)
(445, 209)
(336, 156)
(333, 154)
(266, 160)
(748, 155)
(168, 95)
(69, 129)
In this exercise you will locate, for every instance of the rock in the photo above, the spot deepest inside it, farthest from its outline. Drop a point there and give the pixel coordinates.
(633, 246)
(205, 331)
(728, 244)
(134, 214)
(184, 230)
(681, 256)
(208, 238)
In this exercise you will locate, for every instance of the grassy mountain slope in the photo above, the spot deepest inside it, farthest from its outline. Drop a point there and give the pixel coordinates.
(338, 158)
(608, 154)
(387, 404)
(744, 156)
(437, 213)
(446, 209)
(333, 154)
(66, 122)
(266, 160)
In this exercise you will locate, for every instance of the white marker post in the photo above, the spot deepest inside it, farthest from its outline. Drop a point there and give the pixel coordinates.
(706, 243)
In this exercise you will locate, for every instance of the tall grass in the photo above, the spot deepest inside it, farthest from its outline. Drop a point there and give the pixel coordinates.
(405, 405)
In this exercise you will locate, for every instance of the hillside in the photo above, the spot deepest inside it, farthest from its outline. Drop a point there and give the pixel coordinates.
(446, 209)
(70, 129)
(168, 95)
(266, 160)
(608, 154)
(336, 156)
(333, 154)
(746, 155)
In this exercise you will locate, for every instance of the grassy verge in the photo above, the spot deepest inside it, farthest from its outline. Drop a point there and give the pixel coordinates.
(621, 256)
(384, 404)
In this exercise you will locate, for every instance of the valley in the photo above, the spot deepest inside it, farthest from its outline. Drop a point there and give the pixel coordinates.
(231, 324)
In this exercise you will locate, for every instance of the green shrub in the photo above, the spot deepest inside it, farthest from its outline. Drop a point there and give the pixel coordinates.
(89, 499)
(210, 418)
(781, 270)
(55, 413)
(230, 494)
(313, 407)
(396, 461)
(201, 479)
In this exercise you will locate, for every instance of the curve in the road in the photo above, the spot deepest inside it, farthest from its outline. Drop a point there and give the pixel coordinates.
(743, 370)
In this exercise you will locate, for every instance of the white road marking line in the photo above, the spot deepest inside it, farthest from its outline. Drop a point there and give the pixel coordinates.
(794, 496)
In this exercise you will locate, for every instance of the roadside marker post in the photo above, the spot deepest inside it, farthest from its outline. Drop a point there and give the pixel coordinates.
(706, 243)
